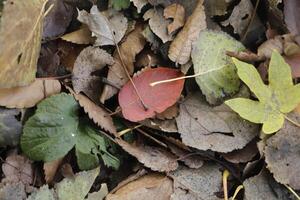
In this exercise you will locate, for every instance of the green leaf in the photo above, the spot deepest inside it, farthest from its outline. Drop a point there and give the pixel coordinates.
(218, 77)
(279, 97)
(10, 127)
(55, 129)
(120, 4)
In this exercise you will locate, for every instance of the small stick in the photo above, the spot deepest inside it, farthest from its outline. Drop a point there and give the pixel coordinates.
(237, 190)
(225, 187)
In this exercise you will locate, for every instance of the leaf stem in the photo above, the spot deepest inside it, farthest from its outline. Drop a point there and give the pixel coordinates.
(292, 121)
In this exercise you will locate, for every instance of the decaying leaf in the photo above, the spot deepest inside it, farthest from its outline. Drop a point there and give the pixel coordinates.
(294, 62)
(96, 113)
(100, 195)
(139, 4)
(168, 126)
(119, 4)
(242, 155)
(50, 169)
(81, 36)
(216, 7)
(29, 96)
(263, 187)
(279, 97)
(13, 191)
(89, 60)
(215, 128)
(194, 184)
(282, 156)
(10, 127)
(181, 48)
(156, 158)
(20, 39)
(18, 168)
(151, 186)
(109, 27)
(133, 44)
(158, 24)
(217, 74)
(58, 18)
(169, 113)
(177, 13)
(266, 49)
(156, 98)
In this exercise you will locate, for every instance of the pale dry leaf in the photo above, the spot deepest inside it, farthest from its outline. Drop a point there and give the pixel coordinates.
(89, 60)
(139, 4)
(17, 168)
(196, 184)
(50, 169)
(156, 158)
(151, 186)
(29, 96)
(81, 36)
(158, 24)
(133, 44)
(177, 13)
(265, 49)
(213, 128)
(13, 191)
(99, 115)
(282, 155)
(169, 113)
(20, 39)
(109, 27)
(100, 195)
(181, 47)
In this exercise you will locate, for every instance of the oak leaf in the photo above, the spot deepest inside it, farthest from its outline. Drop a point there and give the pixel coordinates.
(177, 13)
(181, 48)
(20, 39)
(279, 97)
(156, 98)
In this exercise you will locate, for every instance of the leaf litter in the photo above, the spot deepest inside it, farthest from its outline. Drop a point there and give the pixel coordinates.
(106, 90)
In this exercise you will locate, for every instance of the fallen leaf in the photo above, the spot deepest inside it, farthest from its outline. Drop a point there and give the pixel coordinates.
(216, 7)
(243, 155)
(156, 158)
(100, 195)
(158, 24)
(263, 186)
(58, 19)
(213, 128)
(266, 49)
(13, 191)
(151, 186)
(89, 60)
(20, 39)
(29, 96)
(177, 13)
(18, 168)
(50, 169)
(109, 27)
(43, 193)
(279, 97)
(291, 17)
(146, 58)
(99, 115)
(154, 41)
(197, 184)
(10, 127)
(139, 4)
(168, 126)
(181, 48)
(217, 74)
(282, 156)
(157, 98)
(294, 62)
(81, 36)
(133, 44)
(169, 113)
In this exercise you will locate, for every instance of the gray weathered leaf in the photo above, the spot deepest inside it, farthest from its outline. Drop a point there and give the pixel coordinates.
(10, 127)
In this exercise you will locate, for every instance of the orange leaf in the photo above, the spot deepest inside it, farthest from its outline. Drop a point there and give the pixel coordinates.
(156, 98)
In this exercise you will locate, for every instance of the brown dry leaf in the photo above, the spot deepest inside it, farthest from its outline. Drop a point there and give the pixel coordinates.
(99, 115)
(151, 186)
(109, 27)
(265, 49)
(158, 24)
(282, 155)
(81, 36)
(139, 4)
(50, 169)
(156, 158)
(177, 13)
(133, 44)
(169, 113)
(181, 48)
(20, 39)
(216, 7)
(213, 128)
(89, 60)
(242, 155)
(29, 96)
(167, 125)
(146, 58)
(194, 184)
(17, 168)
(262, 187)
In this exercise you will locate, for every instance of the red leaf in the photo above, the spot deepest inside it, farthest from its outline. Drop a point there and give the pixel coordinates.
(157, 98)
